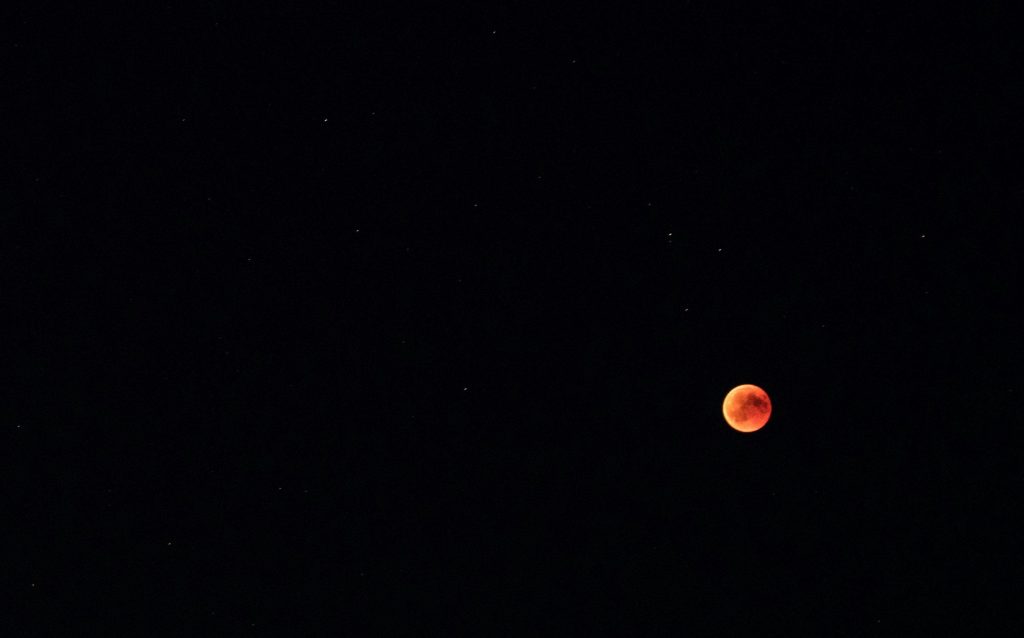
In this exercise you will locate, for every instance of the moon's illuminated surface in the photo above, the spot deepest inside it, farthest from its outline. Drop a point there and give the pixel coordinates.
(747, 408)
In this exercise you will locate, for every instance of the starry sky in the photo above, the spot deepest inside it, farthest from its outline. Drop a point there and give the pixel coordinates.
(386, 320)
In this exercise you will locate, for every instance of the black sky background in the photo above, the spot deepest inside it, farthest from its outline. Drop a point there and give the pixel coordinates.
(395, 321)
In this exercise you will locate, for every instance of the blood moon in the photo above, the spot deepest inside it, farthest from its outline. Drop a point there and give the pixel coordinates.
(747, 408)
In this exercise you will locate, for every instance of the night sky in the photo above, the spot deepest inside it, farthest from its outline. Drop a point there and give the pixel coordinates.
(385, 320)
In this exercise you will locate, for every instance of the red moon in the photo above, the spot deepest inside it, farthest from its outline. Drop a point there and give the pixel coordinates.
(747, 408)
